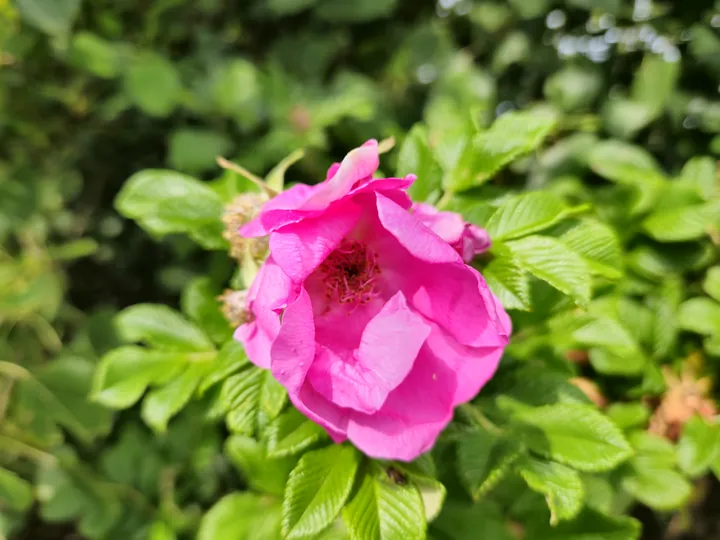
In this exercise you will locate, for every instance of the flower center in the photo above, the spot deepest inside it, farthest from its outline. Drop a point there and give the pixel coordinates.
(350, 274)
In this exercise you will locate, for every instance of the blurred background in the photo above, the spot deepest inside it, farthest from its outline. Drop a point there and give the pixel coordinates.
(92, 91)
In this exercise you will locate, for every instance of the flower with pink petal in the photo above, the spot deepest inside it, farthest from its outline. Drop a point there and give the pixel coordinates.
(370, 319)
(467, 239)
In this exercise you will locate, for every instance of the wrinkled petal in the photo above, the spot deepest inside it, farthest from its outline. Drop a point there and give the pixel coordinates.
(275, 213)
(474, 366)
(321, 411)
(268, 294)
(413, 416)
(300, 247)
(447, 225)
(361, 380)
(359, 164)
(293, 350)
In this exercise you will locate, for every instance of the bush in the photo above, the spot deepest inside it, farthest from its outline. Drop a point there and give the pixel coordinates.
(579, 134)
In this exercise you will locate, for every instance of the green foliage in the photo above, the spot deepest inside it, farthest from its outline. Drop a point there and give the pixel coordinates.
(582, 136)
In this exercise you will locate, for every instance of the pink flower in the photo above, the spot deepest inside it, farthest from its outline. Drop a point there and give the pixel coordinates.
(370, 320)
(467, 239)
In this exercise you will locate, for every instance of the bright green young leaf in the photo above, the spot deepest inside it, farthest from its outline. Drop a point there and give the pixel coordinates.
(15, 492)
(589, 525)
(163, 403)
(415, 157)
(561, 486)
(508, 281)
(160, 327)
(628, 415)
(597, 244)
(573, 87)
(229, 360)
(165, 202)
(153, 83)
(160, 530)
(384, 510)
(526, 214)
(292, 433)
(574, 435)
(511, 136)
(123, 374)
(317, 490)
(699, 446)
(484, 458)
(54, 17)
(259, 472)
(236, 517)
(551, 261)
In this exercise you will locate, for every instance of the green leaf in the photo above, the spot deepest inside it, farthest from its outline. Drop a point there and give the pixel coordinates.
(199, 302)
(165, 202)
(60, 389)
(160, 327)
(683, 223)
(628, 415)
(573, 87)
(700, 315)
(415, 157)
(589, 525)
(654, 83)
(240, 395)
(160, 530)
(259, 472)
(292, 433)
(619, 353)
(230, 359)
(629, 165)
(507, 280)
(574, 435)
(195, 150)
(15, 492)
(95, 54)
(484, 458)
(273, 397)
(561, 486)
(527, 214)
(123, 374)
(551, 261)
(460, 521)
(54, 17)
(711, 284)
(699, 446)
(317, 490)
(342, 11)
(153, 84)
(511, 136)
(236, 517)
(598, 245)
(384, 510)
(700, 173)
(289, 7)
(163, 403)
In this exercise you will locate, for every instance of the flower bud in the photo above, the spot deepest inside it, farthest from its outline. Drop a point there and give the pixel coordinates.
(234, 307)
(240, 211)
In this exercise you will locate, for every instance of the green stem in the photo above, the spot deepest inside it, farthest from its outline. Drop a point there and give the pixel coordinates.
(444, 200)
(479, 418)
